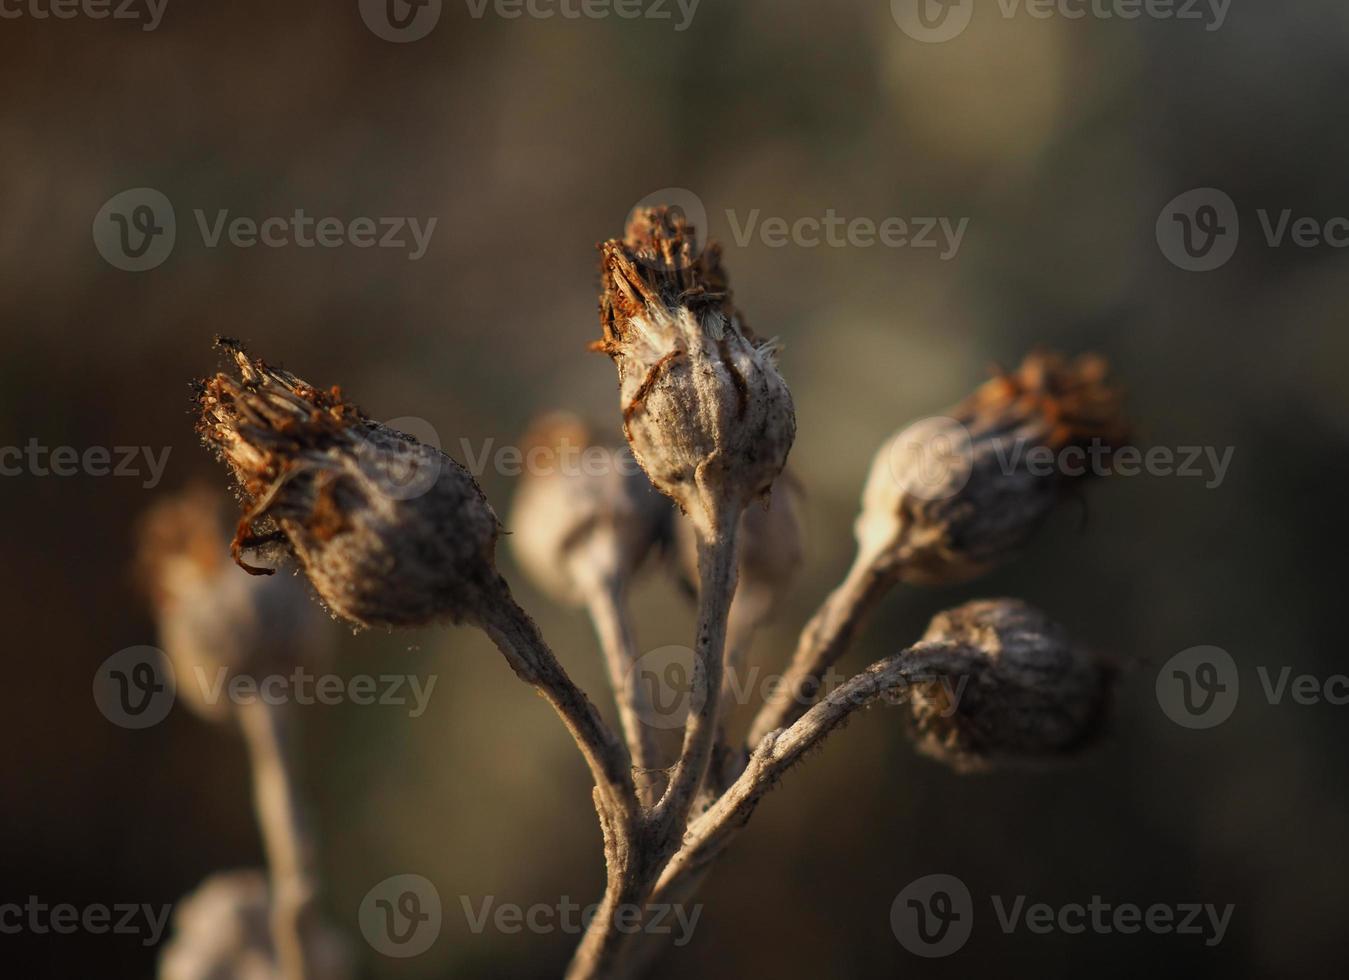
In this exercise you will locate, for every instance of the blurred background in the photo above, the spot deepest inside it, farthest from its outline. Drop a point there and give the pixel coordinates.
(528, 140)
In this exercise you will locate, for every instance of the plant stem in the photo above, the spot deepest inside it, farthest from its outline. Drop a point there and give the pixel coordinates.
(823, 641)
(717, 575)
(520, 642)
(608, 612)
(286, 835)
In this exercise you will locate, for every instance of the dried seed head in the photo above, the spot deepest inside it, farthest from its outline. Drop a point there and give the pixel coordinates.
(704, 408)
(391, 532)
(223, 930)
(212, 619)
(770, 545)
(585, 516)
(950, 498)
(996, 681)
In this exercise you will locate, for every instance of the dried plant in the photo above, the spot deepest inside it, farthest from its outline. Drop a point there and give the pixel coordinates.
(710, 419)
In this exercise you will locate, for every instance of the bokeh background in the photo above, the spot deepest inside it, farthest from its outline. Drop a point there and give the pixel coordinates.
(529, 140)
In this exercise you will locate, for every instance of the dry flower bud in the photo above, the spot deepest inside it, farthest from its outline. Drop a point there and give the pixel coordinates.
(997, 681)
(587, 517)
(213, 619)
(391, 532)
(704, 408)
(950, 498)
(222, 930)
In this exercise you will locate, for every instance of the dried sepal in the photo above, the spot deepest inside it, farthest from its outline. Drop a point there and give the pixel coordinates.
(952, 497)
(391, 532)
(705, 410)
(997, 681)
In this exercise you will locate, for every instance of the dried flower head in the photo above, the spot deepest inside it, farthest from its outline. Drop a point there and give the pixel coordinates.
(585, 516)
(704, 408)
(222, 930)
(951, 498)
(391, 532)
(997, 681)
(212, 619)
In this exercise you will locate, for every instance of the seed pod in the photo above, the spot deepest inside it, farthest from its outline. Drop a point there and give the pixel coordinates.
(952, 497)
(706, 412)
(996, 681)
(391, 532)
(585, 516)
(213, 622)
(222, 930)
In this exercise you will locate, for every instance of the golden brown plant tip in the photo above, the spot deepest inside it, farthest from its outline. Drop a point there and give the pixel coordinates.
(1074, 401)
(186, 527)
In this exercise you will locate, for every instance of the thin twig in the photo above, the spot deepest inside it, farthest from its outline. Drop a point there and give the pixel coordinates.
(609, 614)
(286, 836)
(823, 641)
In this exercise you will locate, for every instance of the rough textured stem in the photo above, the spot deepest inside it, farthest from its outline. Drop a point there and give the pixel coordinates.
(520, 642)
(823, 641)
(748, 612)
(710, 834)
(286, 836)
(717, 575)
(608, 612)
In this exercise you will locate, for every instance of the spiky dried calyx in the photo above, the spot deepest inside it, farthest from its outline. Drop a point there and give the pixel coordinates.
(391, 532)
(951, 498)
(706, 412)
(997, 681)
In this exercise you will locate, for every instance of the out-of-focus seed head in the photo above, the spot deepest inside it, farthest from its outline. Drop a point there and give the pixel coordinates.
(770, 544)
(704, 408)
(585, 516)
(952, 497)
(391, 532)
(223, 930)
(215, 623)
(997, 682)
